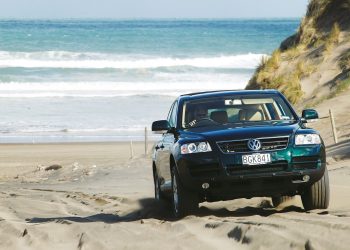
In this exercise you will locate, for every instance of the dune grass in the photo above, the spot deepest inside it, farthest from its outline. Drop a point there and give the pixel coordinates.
(275, 60)
(332, 38)
(344, 85)
(288, 84)
(341, 86)
(344, 61)
(270, 63)
(269, 73)
(304, 69)
(267, 77)
(292, 53)
(266, 70)
(316, 8)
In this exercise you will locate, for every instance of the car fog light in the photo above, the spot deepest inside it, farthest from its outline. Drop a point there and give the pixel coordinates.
(205, 185)
(306, 178)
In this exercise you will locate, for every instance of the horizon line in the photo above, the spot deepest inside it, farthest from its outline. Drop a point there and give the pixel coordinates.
(149, 18)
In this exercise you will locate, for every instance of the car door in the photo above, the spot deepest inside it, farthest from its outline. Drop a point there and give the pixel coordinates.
(158, 154)
(168, 142)
(162, 161)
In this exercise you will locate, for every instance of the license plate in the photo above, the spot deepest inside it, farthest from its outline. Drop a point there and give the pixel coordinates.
(256, 159)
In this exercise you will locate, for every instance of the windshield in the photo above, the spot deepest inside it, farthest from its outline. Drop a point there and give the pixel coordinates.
(235, 109)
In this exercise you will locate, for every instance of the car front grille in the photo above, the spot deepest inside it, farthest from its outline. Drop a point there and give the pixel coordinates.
(241, 146)
(254, 169)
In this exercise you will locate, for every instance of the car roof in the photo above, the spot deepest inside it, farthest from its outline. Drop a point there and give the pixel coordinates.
(218, 93)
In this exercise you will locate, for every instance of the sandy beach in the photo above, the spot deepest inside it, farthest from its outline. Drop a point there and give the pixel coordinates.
(81, 83)
(102, 199)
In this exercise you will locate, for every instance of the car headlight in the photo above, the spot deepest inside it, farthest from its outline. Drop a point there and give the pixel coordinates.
(307, 139)
(195, 147)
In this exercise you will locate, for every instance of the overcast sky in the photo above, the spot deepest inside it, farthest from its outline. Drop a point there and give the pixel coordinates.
(151, 8)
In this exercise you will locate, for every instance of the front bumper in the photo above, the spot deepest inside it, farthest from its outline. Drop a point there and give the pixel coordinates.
(229, 179)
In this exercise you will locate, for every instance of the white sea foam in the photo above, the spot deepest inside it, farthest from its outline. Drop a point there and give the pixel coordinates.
(111, 89)
(63, 59)
(80, 130)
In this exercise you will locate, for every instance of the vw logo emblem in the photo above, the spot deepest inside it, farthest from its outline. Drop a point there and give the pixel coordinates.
(254, 144)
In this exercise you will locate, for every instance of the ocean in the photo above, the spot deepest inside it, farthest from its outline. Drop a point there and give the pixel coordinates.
(106, 80)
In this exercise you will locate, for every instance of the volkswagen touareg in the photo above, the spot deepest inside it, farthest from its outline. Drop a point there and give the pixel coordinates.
(223, 145)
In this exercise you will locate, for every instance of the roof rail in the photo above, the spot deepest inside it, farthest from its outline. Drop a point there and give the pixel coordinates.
(211, 91)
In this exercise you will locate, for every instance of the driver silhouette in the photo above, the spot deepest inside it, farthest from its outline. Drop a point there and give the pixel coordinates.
(200, 112)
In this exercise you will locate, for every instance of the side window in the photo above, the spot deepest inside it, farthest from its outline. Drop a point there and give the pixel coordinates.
(173, 115)
(170, 112)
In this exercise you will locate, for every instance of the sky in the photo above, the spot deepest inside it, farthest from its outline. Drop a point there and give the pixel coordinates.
(152, 8)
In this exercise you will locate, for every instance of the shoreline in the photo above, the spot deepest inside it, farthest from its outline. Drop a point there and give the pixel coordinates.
(58, 139)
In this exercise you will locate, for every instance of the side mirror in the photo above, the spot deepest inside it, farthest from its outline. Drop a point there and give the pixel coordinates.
(160, 126)
(309, 115)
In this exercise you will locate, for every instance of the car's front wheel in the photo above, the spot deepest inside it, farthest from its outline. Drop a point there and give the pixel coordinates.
(184, 201)
(317, 195)
(158, 194)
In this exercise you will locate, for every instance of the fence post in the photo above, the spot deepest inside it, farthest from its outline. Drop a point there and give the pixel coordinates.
(146, 141)
(334, 129)
(131, 150)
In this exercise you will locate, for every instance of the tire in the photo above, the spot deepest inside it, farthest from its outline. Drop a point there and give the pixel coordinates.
(184, 201)
(158, 194)
(278, 200)
(317, 195)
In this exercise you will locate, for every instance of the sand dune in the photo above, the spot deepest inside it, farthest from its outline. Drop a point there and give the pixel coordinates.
(107, 203)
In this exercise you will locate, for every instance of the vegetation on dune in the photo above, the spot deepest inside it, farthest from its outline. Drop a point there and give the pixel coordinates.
(292, 52)
(340, 86)
(323, 22)
(332, 39)
(267, 77)
(264, 74)
(344, 61)
(343, 85)
(318, 35)
(304, 69)
(267, 66)
(291, 88)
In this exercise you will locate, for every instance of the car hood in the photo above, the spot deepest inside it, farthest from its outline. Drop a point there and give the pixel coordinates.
(240, 132)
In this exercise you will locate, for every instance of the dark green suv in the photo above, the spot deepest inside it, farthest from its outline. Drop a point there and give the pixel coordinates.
(238, 144)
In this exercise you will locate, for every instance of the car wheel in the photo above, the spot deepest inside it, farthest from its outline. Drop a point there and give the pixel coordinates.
(184, 201)
(278, 200)
(158, 194)
(317, 195)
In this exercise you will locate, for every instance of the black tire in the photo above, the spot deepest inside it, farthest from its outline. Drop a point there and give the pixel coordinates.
(278, 200)
(158, 194)
(184, 201)
(317, 195)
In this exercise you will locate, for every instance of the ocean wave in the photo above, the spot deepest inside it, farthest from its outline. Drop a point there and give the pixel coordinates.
(131, 129)
(64, 59)
(111, 89)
